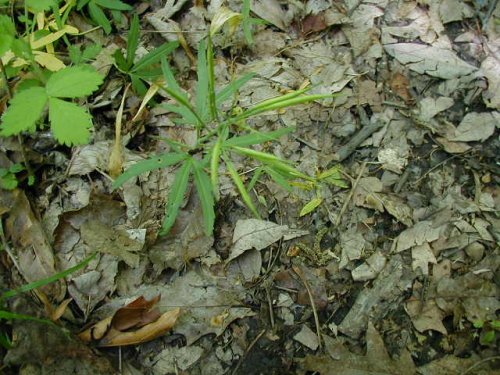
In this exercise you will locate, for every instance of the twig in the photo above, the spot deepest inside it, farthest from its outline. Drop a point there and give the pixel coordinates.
(302, 277)
(247, 351)
(346, 150)
(349, 196)
(270, 303)
(480, 363)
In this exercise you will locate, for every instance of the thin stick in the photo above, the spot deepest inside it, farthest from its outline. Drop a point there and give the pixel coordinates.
(299, 272)
(238, 365)
(351, 193)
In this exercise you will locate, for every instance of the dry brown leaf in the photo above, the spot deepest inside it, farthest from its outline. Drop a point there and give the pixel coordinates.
(147, 333)
(97, 331)
(59, 311)
(137, 313)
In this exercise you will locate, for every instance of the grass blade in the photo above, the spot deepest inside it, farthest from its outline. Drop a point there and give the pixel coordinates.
(205, 192)
(241, 187)
(47, 280)
(155, 162)
(176, 196)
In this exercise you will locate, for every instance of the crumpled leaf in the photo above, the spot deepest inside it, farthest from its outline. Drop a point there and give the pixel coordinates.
(259, 234)
(434, 61)
(476, 127)
(140, 314)
(376, 360)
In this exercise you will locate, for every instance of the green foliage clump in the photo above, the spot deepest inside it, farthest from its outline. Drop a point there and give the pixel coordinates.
(221, 135)
(70, 123)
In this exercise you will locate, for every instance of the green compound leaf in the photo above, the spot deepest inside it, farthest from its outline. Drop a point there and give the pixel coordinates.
(69, 122)
(155, 162)
(176, 196)
(205, 192)
(74, 82)
(24, 110)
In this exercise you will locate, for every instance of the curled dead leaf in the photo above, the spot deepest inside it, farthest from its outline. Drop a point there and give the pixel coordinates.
(147, 333)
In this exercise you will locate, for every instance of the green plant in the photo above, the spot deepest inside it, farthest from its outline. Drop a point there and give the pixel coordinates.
(332, 177)
(220, 135)
(147, 68)
(97, 8)
(69, 122)
(8, 178)
(45, 87)
(489, 331)
(8, 315)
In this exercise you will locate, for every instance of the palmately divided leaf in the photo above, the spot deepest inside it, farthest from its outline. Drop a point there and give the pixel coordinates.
(74, 82)
(24, 110)
(69, 122)
(155, 162)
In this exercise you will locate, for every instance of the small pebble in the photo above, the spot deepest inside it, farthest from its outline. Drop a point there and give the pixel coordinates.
(475, 251)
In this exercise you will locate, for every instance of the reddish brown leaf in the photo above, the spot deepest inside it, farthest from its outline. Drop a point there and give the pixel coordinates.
(147, 333)
(136, 314)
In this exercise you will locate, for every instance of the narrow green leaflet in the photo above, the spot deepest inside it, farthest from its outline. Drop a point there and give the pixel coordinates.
(74, 82)
(99, 17)
(155, 56)
(132, 40)
(69, 122)
(202, 86)
(279, 178)
(172, 83)
(257, 137)
(214, 166)
(204, 188)
(187, 117)
(278, 103)
(272, 161)
(113, 4)
(155, 162)
(232, 88)
(310, 206)
(241, 187)
(24, 110)
(176, 196)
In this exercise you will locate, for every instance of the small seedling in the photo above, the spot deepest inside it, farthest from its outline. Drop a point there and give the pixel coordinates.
(148, 67)
(8, 178)
(98, 8)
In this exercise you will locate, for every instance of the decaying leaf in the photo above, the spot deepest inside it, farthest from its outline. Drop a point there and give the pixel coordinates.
(138, 322)
(259, 234)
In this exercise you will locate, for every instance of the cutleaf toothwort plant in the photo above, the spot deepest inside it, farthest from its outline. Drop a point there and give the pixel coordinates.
(220, 136)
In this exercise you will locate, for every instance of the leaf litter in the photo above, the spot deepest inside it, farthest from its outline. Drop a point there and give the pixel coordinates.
(415, 236)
